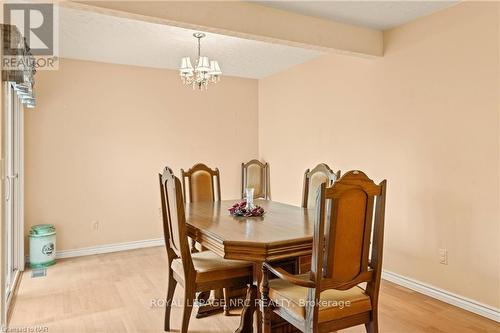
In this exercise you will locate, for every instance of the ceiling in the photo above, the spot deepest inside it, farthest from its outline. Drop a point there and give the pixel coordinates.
(97, 37)
(379, 15)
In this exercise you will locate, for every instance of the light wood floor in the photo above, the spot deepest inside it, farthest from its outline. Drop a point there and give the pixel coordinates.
(115, 292)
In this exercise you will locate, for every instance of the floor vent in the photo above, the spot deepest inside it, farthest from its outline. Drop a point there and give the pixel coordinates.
(39, 272)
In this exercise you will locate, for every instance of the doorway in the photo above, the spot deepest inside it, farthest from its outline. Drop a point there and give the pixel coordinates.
(13, 212)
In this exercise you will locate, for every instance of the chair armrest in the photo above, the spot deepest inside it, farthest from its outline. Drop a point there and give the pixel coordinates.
(284, 275)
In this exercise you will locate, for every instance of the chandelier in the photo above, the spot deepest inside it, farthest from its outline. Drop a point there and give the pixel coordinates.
(204, 72)
(23, 75)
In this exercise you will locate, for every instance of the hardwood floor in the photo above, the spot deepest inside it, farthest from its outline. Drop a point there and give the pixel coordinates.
(117, 292)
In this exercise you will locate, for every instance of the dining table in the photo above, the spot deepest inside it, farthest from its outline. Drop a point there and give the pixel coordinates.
(283, 232)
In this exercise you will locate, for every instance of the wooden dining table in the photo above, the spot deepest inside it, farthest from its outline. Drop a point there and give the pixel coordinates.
(283, 232)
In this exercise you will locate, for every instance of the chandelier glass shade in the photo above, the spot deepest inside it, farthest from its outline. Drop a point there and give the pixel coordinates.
(22, 77)
(204, 71)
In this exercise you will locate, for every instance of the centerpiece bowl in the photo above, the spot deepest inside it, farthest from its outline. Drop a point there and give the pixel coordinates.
(241, 209)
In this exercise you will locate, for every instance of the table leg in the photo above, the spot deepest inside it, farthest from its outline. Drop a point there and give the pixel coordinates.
(193, 246)
(207, 307)
(251, 306)
(246, 322)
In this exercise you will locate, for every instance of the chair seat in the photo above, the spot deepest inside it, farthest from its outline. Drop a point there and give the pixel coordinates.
(334, 304)
(210, 267)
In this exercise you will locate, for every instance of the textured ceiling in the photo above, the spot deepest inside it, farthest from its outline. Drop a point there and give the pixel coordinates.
(380, 15)
(97, 37)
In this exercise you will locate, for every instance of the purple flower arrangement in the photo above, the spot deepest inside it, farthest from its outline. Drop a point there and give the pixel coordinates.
(240, 209)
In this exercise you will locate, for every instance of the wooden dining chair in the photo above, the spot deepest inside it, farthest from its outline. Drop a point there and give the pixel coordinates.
(201, 183)
(329, 297)
(313, 179)
(201, 187)
(201, 271)
(255, 174)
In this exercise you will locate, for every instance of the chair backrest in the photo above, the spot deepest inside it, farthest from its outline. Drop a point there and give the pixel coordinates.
(342, 235)
(254, 174)
(313, 179)
(174, 220)
(201, 183)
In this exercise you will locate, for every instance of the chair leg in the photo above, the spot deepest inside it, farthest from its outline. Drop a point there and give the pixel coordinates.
(188, 307)
(258, 320)
(226, 301)
(170, 297)
(266, 323)
(372, 326)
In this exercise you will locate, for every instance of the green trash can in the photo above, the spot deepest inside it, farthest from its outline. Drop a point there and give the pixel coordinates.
(42, 245)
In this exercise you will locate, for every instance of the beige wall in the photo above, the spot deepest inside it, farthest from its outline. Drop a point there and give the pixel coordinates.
(426, 117)
(101, 133)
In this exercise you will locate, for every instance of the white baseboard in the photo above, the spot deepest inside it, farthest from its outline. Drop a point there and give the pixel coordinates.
(423, 288)
(99, 249)
(107, 248)
(443, 295)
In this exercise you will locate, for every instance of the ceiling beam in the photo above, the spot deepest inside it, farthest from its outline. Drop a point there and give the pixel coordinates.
(247, 20)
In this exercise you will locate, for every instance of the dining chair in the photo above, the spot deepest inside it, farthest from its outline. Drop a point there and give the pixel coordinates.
(201, 186)
(255, 174)
(344, 256)
(313, 179)
(195, 272)
(201, 183)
